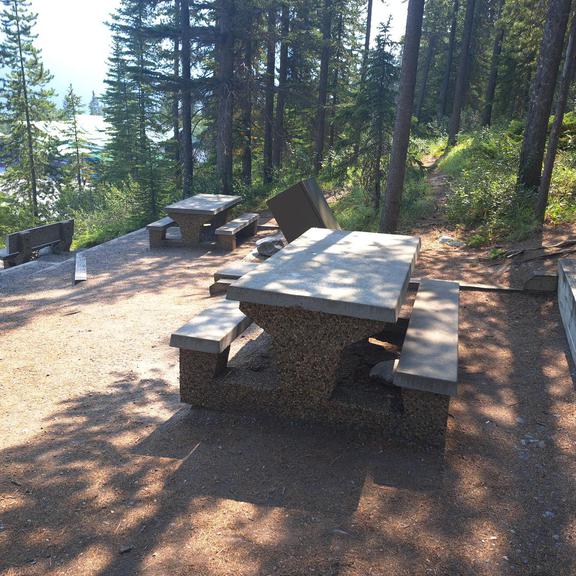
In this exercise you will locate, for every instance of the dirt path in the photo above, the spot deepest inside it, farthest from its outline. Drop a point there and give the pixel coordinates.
(103, 472)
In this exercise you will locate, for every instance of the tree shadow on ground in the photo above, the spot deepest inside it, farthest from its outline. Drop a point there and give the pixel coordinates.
(112, 487)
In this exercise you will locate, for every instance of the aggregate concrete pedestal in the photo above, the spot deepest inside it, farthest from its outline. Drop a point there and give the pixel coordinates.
(307, 346)
(190, 226)
(198, 370)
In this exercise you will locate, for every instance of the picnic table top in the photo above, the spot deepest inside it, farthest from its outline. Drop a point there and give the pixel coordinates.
(358, 274)
(210, 204)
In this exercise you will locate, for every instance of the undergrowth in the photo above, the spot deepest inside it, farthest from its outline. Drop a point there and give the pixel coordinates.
(482, 170)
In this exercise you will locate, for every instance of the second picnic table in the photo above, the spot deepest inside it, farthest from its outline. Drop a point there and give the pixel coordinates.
(191, 214)
(324, 291)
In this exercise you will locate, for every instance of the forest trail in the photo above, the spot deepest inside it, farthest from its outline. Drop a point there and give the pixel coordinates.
(439, 188)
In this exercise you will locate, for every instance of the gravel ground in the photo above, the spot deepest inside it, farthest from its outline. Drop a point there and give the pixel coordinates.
(103, 472)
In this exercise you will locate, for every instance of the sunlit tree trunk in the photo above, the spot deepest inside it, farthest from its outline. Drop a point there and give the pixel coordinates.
(541, 97)
(564, 89)
(463, 73)
(269, 95)
(402, 124)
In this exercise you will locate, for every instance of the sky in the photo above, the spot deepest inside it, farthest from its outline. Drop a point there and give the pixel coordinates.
(75, 41)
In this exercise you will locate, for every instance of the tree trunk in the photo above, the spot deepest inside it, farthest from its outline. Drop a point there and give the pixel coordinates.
(564, 89)
(29, 138)
(176, 95)
(402, 124)
(443, 104)
(269, 98)
(247, 110)
(541, 97)
(225, 77)
(323, 86)
(367, 34)
(492, 79)
(432, 40)
(279, 128)
(77, 152)
(461, 80)
(493, 75)
(334, 89)
(377, 192)
(187, 150)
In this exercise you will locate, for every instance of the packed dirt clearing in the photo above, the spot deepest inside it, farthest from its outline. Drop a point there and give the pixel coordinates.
(104, 472)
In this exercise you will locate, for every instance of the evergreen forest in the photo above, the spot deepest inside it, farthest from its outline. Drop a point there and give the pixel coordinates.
(246, 97)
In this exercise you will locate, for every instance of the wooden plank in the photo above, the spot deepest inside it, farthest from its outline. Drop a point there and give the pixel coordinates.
(471, 287)
(80, 272)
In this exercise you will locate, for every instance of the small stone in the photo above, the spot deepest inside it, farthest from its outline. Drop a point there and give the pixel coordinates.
(548, 514)
(541, 444)
(270, 245)
(520, 420)
(340, 532)
(383, 371)
(126, 549)
(556, 537)
(451, 241)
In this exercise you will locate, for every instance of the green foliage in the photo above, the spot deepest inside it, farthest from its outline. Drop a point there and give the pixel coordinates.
(117, 211)
(567, 139)
(355, 212)
(482, 171)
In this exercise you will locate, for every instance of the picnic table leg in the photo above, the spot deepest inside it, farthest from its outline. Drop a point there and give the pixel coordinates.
(190, 226)
(308, 346)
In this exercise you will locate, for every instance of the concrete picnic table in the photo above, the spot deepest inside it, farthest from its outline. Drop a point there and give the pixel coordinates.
(325, 290)
(192, 213)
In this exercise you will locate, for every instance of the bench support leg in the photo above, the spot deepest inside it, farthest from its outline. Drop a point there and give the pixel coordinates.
(253, 228)
(197, 372)
(227, 243)
(157, 237)
(424, 417)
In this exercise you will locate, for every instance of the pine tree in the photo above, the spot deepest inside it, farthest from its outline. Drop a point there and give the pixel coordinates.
(73, 139)
(25, 99)
(373, 112)
(133, 107)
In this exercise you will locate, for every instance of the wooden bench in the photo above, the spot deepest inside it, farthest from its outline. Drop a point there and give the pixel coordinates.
(429, 357)
(157, 231)
(21, 246)
(244, 225)
(204, 345)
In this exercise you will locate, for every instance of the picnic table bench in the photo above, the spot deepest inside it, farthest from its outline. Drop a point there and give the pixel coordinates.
(245, 225)
(322, 293)
(21, 246)
(157, 231)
